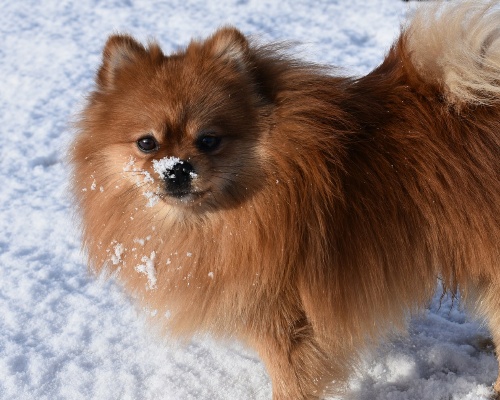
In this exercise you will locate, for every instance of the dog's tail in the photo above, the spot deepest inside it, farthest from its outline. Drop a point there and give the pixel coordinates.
(457, 47)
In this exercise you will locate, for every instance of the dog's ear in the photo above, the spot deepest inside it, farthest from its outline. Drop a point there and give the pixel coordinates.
(228, 44)
(120, 53)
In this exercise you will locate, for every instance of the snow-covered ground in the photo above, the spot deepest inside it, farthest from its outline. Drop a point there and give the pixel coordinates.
(64, 335)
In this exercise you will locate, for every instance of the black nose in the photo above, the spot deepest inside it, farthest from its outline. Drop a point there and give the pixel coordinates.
(178, 178)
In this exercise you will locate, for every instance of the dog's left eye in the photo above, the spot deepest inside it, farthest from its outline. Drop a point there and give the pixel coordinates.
(147, 144)
(208, 143)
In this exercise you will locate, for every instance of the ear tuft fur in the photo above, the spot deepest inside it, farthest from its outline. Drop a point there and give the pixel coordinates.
(119, 52)
(229, 44)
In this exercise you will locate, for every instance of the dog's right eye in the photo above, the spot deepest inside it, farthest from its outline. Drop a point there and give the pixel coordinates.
(147, 144)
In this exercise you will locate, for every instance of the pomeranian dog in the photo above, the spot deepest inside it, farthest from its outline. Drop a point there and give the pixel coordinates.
(237, 191)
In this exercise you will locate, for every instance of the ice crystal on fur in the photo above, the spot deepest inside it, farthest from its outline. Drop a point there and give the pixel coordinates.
(118, 250)
(147, 177)
(152, 197)
(129, 164)
(148, 268)
(142, 241)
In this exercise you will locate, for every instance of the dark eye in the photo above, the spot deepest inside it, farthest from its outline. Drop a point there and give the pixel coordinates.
(208, 143)
(147, 144)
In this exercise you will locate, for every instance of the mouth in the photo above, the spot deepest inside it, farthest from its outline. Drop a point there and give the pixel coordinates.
(184, 197)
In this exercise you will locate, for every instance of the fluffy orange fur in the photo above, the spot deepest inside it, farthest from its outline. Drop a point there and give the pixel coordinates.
(331, 206)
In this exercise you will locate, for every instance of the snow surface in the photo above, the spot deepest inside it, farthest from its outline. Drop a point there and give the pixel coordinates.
(65, 335)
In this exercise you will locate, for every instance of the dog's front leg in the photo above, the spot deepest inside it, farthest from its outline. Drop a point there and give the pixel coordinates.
(299, 368)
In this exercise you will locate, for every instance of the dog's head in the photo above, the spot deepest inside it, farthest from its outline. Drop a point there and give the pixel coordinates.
(183, 129)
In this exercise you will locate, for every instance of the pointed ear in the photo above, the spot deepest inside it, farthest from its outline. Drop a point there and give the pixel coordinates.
(120, 51)
(230, 45)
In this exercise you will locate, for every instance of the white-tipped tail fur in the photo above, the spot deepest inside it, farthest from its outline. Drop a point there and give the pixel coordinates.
(457, 46)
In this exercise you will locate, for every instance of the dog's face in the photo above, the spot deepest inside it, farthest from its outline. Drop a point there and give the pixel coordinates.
(183, 130)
